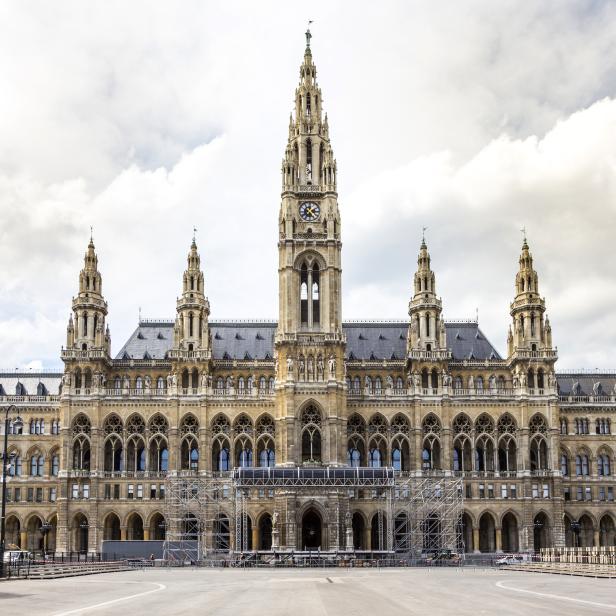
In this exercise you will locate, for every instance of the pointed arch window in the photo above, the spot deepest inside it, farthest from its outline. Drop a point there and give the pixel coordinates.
(310, 295)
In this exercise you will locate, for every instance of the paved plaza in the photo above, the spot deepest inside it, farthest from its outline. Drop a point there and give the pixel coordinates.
(311, 592)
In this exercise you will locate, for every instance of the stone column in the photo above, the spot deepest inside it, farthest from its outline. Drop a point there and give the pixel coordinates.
(596, 539)
(23, 540)
(255, 537)
(368, 537)
(499, 539)
(146, 534)
(476, 540)
(123, 533)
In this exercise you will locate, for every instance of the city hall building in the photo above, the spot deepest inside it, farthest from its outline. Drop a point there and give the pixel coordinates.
(311, 398)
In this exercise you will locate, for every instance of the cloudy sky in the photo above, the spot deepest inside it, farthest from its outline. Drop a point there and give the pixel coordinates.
(145, 119)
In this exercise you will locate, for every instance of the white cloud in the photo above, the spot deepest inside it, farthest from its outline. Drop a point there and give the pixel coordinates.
(147, 119)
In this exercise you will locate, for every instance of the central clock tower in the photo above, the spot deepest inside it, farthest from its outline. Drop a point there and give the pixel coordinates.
(309, 244)
(309, 339)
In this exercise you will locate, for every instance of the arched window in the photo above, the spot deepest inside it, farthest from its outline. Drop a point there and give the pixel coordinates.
(271, 384)
(303, 294)
(267, 458)
(160, 383)
(316, 313)
(139, 383)
(374, 458)
(582, 466)
(311, 434)
(310, 295)
(603, 465)
(396, 459)
(354, 457)
(37, 465)
(262, 382)
(15, 466)
(55, 465)
(564, 464)
(224, 461)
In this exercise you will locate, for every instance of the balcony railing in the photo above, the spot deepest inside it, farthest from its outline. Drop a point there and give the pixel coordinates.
(85, 355)
(599, 399)
(18, 399)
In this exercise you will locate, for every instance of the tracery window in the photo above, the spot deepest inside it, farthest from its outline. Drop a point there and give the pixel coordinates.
(311, 434)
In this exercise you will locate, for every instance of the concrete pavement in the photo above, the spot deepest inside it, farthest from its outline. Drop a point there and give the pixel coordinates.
(311, 592)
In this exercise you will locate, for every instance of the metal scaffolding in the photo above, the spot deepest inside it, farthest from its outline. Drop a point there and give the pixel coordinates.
(415, 514)
(428, 515)
(197, 517)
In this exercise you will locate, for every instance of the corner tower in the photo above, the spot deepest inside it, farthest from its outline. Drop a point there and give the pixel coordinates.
(87, 331)
(529, 342)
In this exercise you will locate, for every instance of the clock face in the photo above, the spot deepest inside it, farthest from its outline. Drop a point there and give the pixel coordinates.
(309, 211)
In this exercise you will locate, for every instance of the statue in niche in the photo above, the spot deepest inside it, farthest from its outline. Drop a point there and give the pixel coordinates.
(289, 365)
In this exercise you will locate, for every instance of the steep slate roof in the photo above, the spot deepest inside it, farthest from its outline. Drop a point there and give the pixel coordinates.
(30, 381)
(567, 382)
(255, 340)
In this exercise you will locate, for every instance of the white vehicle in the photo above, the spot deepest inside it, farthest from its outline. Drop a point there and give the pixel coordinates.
(16, 556)
(510, 559)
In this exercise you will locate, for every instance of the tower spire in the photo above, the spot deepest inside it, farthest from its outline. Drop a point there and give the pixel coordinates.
(309, 158)
(193, 308)
(87, 329)
(427, 328)
(530, 338)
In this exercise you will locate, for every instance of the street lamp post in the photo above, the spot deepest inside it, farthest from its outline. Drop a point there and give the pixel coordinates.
(45, 528)
(16, 424)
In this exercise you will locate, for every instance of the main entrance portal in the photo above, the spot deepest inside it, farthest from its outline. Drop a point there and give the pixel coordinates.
(311, 530)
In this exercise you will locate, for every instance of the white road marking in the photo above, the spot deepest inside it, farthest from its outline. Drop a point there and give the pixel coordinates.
(87, 608)
(557, 597)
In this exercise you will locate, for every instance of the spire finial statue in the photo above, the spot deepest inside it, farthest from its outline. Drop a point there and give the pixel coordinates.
(308, 35)
(423, 235)
(523, 232)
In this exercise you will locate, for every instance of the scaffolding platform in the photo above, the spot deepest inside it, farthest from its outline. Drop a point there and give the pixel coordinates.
(418, 514)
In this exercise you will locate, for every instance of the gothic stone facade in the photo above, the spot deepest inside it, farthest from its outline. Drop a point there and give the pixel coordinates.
(425, 396)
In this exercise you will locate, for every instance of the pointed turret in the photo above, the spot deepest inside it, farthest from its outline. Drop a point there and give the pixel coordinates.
(426, 328)
(530, 338)
(191, 332)
(89, 307)
(528, 307)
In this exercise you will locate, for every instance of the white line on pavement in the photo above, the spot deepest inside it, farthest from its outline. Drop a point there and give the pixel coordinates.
(557, 597)
(87, 608)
